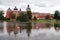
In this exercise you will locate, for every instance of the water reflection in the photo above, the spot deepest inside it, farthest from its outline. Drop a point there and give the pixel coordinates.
(27, 29)
(1, 27)
(16, 27)
(57, 27)
(12, 27)
(42, 25)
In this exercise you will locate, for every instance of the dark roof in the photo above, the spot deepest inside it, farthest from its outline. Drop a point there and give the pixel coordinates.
(28, 7)
(9, 9)
(15, 8)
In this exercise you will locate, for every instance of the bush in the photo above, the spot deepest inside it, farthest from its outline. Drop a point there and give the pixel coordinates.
(34, 18)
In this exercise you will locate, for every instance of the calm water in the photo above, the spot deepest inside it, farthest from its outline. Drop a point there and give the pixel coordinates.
(28, 31)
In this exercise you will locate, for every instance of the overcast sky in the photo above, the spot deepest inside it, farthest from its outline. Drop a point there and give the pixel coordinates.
(36, 5)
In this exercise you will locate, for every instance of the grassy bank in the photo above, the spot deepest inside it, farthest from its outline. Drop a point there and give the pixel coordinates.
(44, 21)
(40, 21)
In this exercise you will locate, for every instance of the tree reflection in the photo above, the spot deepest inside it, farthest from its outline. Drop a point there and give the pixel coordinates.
(22, 26)
(28, 29)
(1, 27)
(57, 27)
(27, 26)
(48, 25)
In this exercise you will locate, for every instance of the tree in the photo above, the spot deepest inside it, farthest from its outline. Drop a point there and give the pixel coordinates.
(47, 17)
(34, 18)
(57, 15)
(29, 15)
(24, 17)
(18, 18)
(1, 15)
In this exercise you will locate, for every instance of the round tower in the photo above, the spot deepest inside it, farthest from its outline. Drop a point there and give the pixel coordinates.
(28, 8)
(8, 13)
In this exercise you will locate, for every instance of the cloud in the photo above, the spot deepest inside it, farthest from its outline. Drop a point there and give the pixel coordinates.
(36, 5)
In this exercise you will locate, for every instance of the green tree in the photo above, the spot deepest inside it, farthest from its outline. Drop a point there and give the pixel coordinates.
(29, 15)
(34, 18)
(47, 17)
(24, 17)
(1, 15)
(18, 18)
(57, 15)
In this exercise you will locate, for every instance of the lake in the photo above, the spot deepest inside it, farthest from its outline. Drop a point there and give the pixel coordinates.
(29, 31)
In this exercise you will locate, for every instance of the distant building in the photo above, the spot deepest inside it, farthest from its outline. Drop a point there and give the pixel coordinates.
(14, 11)
(18, 12)
(41, 15)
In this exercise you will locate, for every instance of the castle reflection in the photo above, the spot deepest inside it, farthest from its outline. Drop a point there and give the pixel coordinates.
(20, 27)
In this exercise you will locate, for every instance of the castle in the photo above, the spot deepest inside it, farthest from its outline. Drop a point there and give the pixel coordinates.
(18, 12)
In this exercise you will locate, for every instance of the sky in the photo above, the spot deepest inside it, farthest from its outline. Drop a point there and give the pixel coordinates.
(42, 6)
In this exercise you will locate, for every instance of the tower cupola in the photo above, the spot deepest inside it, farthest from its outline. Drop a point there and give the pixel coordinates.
(15, 8)
(28, 8)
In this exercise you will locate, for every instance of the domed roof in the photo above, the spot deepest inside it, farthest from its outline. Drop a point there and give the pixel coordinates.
(15, 8)
(28, 8)
(9, 9)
